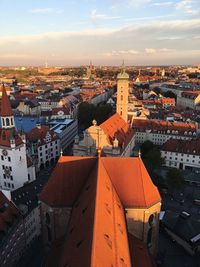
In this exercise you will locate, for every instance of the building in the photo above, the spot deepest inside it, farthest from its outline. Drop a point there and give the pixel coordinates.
(122, 93)
(16, 168)
(12, 234)
(29, 107)
(158, 132)
(182, 154)
(114, 137)
(189, 99)
(43, 146)
(66, 130)
(91, 206)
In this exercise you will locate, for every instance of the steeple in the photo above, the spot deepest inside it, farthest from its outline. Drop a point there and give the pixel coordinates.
(7, 118)
(123, 74)
(6, 109)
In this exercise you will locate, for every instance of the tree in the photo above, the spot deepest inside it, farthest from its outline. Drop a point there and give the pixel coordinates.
(146, 147)
(174, 179)
(88, 112)
(153, 160)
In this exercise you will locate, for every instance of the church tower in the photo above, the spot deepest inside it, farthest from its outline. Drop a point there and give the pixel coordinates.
(122, 93)
(15, 168)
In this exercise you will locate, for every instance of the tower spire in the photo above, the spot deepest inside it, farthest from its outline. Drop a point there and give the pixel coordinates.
(6, 110)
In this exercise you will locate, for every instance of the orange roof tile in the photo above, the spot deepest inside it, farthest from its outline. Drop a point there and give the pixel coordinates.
(116, 127)
(131, 181)
(69, 176)
(99, 189)
(6, 109)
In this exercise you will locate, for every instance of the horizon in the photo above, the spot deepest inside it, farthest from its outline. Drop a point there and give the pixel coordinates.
(71, 33)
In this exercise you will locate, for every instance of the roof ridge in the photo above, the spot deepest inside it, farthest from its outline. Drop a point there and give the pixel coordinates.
(140, 160)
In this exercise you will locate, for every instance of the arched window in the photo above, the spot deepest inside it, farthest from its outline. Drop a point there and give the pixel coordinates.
(151, 220)
(7, 122)
(3, 122)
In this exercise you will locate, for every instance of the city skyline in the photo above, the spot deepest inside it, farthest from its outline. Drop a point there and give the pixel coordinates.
(145, 32)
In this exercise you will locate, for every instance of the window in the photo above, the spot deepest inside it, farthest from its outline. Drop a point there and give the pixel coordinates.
(9, 159)
(10, 168)
(3, 167)
(11, 178)
(7, 122)
(151, 220)
(2, 157)
(12, 185)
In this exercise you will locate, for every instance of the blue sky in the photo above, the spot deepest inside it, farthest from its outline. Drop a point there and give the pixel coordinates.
(73, 32)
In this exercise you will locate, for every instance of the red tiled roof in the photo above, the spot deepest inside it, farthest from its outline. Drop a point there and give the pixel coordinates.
(131, 181)
(7, 134)
(104, 240)
(116, 127)
(164, 126)
(6, 109)
(183, 146)
(66, 181)
(39, 133)
(99, 189)
(128, 175)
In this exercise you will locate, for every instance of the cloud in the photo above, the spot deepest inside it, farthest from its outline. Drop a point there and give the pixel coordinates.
(138, 3)
(150, 51)
(45, 11)
(161, 41)
(167, 50)
(97, 16)
(187, 6)
(121, 52)
(163, 4)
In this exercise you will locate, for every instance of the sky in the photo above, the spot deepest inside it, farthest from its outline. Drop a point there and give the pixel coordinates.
(73, 32)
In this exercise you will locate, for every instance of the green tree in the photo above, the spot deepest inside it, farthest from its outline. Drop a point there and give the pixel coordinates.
(153, 160)
(174, 179)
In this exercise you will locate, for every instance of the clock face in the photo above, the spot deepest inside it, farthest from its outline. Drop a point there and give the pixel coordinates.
(4, 152)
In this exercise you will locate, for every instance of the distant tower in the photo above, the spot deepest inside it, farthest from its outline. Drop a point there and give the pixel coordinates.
(163, 73)
(122, 93)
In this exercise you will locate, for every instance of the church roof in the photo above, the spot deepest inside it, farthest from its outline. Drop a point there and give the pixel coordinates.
(116, 127)
(98, 198)
(6, 109)
(128, 175)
